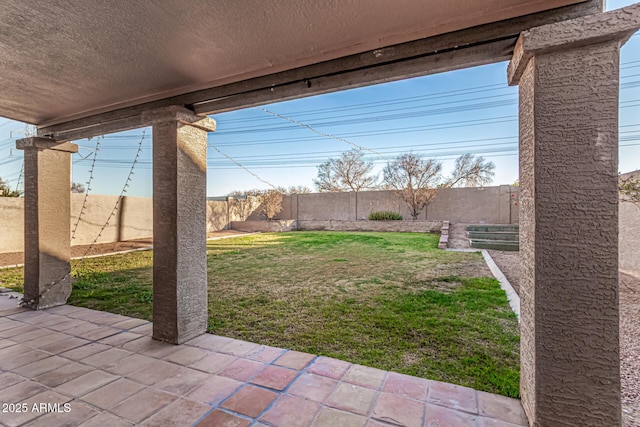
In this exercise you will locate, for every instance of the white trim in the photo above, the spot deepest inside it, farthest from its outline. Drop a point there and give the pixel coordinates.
(512, 296)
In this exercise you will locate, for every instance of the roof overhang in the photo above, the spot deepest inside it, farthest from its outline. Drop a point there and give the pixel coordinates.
(78, 63)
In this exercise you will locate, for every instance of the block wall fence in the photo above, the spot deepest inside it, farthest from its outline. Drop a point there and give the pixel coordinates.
(490, 205)
(629, 233)
(133, 218)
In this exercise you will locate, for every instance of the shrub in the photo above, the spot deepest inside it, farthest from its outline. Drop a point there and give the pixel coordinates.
(385, 216)
(270, 203)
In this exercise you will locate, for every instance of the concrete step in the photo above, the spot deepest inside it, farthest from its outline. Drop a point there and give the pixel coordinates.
(498, 245)
(498, 235)
(513, 228)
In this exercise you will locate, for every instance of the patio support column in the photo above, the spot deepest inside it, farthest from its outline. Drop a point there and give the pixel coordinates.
(568, 75)
(179, 223)
(47, 204)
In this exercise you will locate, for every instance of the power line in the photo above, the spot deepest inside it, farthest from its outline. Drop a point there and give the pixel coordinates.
(362, 118)
(629, 135)
(404, 129)
(381, 152)
(10, 160)
(393, 101)
(286, 162)
(324, 134)
(357, 117)
(376, 118)
(403, 100)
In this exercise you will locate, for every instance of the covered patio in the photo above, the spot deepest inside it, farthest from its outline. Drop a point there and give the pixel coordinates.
(112, 373)
(77, 70)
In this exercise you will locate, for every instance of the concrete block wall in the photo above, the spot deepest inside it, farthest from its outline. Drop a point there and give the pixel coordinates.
(132, 219)
(337, 225)
(397, 226)
(134, 216)
(629, 233)
(11, 224)
(375, 201)
(219, 215)
(490, 205)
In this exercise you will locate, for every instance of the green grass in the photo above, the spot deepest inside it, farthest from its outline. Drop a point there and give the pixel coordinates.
(387, 300)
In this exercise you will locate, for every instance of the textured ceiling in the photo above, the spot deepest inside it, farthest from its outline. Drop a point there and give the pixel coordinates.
(63, 59)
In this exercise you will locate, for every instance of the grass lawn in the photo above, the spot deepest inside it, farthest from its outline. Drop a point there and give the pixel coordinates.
(388, 300)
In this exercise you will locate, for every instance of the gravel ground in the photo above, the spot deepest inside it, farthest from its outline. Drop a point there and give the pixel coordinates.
(509, 263)
(630, 348)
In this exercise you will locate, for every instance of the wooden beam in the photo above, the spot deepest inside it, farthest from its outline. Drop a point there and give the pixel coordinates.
(402, 59)
(455, 59)
(102, 128)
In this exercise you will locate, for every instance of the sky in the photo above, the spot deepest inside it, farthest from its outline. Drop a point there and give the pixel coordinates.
(440, 116)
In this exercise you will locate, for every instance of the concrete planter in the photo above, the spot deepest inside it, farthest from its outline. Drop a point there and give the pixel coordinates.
(338, 225)
(366, 225)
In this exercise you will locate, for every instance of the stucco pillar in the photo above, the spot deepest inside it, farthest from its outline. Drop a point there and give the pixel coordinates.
(47, 204)
(179, 223)
(568, 75)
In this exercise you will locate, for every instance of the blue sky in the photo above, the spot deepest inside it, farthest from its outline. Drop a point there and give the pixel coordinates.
(440, 116)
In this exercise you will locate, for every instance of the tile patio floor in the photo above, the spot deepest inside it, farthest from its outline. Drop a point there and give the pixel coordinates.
(111, 373)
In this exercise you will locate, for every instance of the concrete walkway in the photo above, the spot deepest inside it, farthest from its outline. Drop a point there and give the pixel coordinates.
(100, 369)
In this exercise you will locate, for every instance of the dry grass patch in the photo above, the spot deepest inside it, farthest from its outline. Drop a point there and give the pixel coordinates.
(387, 300)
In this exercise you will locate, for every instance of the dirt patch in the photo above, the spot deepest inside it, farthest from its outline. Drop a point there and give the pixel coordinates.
(13, 258)
(435, 270)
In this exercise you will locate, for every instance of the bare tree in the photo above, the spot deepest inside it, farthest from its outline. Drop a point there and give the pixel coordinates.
(295, 189)
(6, 191)
(415, 179)
(470, 171)
(350, 172)
(630, 189)
(242, 203)
(76, 187)
(270, 203)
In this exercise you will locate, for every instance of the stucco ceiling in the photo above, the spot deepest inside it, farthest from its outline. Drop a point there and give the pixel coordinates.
(63, 59)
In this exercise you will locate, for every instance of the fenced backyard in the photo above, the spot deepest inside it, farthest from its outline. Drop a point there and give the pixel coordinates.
(386, 300)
